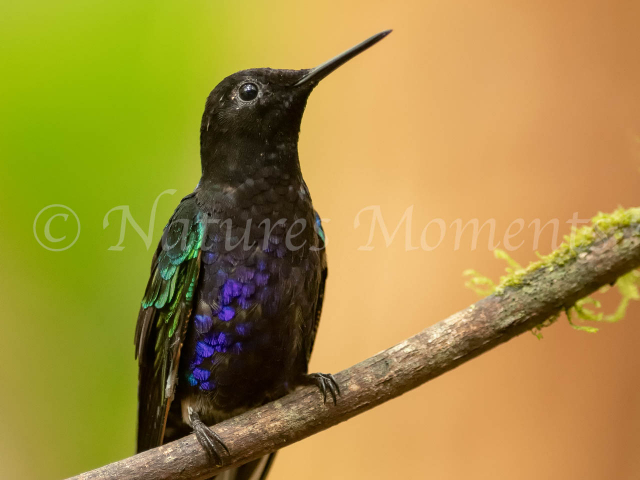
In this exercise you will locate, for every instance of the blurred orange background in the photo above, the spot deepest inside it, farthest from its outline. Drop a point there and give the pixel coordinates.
(498, 110)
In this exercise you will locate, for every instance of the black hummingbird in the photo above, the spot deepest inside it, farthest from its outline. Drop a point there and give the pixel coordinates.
(231, 310)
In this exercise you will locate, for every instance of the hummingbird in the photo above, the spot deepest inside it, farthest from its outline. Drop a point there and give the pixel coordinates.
(231, 309)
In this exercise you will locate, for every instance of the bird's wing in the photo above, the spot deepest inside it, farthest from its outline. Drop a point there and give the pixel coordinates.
(164, 316)
(313, 330)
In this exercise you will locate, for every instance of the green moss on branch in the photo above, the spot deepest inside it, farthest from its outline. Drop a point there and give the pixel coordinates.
(602, 225)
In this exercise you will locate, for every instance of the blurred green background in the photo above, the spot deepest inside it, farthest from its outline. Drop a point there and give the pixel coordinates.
(482, 110)
(100, 107)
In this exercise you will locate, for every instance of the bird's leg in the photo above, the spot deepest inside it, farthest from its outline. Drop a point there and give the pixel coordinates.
(324, 381)
(208, 439)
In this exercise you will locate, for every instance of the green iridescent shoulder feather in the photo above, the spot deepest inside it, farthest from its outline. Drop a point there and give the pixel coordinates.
(176, 272)
(171, 292)
(164, 317)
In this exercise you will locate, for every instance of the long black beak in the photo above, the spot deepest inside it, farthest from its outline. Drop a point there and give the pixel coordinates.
(327, 67)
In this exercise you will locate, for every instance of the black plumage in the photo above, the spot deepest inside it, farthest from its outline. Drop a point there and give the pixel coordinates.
(231, 310)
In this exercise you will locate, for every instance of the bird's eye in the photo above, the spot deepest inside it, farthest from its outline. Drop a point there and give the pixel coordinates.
(248, 92)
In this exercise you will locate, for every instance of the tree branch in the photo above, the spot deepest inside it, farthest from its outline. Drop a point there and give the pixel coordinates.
(495, 319)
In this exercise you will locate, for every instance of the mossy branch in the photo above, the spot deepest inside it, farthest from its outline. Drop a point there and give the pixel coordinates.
(602, 225)
(528, 298)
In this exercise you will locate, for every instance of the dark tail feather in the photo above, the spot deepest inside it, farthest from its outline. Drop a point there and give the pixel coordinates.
(254, 470)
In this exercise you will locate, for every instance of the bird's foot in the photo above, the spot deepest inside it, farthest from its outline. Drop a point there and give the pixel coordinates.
(324, 381)
(208, 439)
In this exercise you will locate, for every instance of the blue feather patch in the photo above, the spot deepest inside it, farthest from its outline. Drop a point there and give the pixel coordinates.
(204, 350)
(226, 313)
(201, 374)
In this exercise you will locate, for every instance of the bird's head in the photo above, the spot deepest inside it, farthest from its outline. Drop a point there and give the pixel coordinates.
(252, 118)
